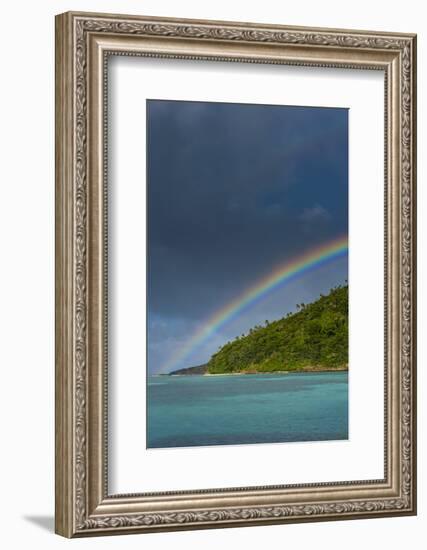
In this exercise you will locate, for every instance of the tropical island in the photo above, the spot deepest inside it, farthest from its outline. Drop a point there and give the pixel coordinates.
(312, 339)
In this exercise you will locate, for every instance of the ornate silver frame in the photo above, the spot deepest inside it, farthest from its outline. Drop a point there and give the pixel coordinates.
(83, 505)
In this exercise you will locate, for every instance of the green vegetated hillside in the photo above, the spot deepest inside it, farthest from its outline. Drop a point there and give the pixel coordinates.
(199, 369)
(314, 338)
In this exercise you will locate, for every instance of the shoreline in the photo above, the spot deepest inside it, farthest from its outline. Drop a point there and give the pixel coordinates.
(308, 371)
(302, 371)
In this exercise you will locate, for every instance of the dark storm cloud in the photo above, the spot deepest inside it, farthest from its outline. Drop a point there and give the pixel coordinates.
(233, 191)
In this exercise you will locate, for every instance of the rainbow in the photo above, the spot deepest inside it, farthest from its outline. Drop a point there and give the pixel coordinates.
(282, 274)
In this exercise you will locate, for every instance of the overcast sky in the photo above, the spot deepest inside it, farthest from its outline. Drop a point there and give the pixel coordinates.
(234, 191)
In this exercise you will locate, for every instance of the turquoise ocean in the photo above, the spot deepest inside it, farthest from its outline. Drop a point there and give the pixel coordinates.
(187, 411)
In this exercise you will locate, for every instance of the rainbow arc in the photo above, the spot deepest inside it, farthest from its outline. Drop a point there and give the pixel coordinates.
(281, 275)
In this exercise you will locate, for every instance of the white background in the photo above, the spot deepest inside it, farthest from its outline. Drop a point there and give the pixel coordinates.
(26, 299)
(133, 468)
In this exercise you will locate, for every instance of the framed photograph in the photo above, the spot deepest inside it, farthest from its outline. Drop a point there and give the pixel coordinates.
(235, 274)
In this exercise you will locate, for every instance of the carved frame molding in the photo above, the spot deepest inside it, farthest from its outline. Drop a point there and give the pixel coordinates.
(83, 42)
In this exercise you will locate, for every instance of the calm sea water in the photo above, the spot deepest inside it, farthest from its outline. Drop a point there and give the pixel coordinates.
(186, 411)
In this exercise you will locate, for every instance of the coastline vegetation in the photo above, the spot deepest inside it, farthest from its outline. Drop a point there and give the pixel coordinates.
(314, 338)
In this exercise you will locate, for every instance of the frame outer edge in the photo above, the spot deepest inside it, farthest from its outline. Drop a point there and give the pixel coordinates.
(64, 237)
(233, 24)
(414, 270)
(73, 517)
